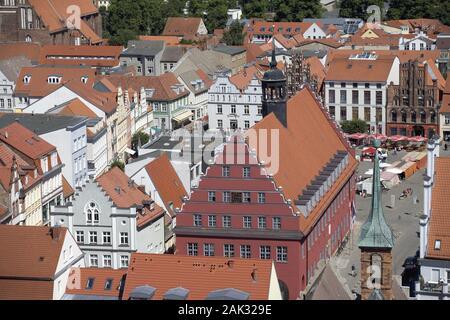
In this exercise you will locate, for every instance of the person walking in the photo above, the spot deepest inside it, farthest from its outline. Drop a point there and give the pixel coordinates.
(445, 147)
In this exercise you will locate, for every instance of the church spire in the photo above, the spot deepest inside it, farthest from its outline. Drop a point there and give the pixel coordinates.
(375, 232)
(273, 62)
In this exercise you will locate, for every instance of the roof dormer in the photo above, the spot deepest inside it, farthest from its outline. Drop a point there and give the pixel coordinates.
(27, 79)
(54, 79)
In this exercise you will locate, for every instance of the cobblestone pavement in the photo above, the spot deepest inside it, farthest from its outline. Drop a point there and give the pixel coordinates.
(403, 219)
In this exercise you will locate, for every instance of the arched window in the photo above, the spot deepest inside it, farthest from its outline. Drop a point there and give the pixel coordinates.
(403, 115)
(423, 116)
(413, 116)
(376, 269)
(92, 212)
(394, 116)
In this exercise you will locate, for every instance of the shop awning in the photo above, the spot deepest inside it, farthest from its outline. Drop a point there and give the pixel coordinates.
(130, 151)
(182, 116)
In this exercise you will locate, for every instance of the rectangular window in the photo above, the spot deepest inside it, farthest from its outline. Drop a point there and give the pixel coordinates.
(92, 236)
(226, 171)
(246, 197)
(233, 109)
(246, 172)
(276, 223)
(246, 251)
(246, 109)
(208, 250)
(282, 254)
(343, 113)
(192, 249)
(331, 96)
(259, 110)
(80, 236)
(212, 221)
(211, 196)
(366, 113)
(197, 220)
(107, 261)
(219, 109)
(226, 220)
(355, 97)
(264, 252)
(435, 274)
(379, 98)
(226, 196)
(124, 238)
(343, 96)
(366, 97)
(236, 197)
(246, 124)
(106, 237)
(219, 123)
(261, 197)
(355, 112)
(93, 260)
(124, 261)
(247, 222)
(228, 250)
(262, 223)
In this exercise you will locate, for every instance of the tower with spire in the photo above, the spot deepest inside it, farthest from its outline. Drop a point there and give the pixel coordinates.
(376, 242)
(274, 92)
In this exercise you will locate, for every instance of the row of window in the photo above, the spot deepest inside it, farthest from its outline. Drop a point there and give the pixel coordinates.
(246, 222)
(355, 97)
(226, 171)
(2, 103)
(233, 109)
(236, 197)
(233, 124)
(355, 85)
(107, 261)
(413, 116)
(106, 237)
(245, 251)
(79, 143)
(355, 113)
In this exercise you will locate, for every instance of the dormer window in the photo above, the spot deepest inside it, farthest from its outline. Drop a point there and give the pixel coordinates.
(27, 79)
(437, 245)
(84, 79)
(54, 79)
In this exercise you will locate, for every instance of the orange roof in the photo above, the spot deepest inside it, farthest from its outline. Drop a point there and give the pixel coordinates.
(53, 14)
(76, 107)
(439, 228)
(431, 26)
(38, 85)
(199, 275)
(447, 84)
(327, 42)
(67, 188)
(317, 68)
(96, 56)
(242, 79)
(180, 26)
(166, 181)
(121, 189)
(30, 252)
(105, 101)
(434, 70)
(286, 43)
(29, 50)
(345, 69)
(26, 289)
(25, 141)
(253, 51)
(445, 108)
(307, 122)
(169, 40)
(265, 27)
(100, 276)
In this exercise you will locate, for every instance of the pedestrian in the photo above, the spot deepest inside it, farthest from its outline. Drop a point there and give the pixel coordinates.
(445, 147)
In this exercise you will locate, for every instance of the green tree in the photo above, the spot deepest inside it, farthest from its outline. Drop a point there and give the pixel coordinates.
(354, 126)
(358, 8)
(139, 137)
(256, 9)
(235, 35)
(197, 8)
(216, 17)
(297, 10)
(410, 9)
(119, 164)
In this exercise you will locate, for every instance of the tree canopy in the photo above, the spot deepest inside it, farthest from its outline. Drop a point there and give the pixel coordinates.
(234, 36)
(354, 126)
(410, 9)
(139, 138)
(358, 8)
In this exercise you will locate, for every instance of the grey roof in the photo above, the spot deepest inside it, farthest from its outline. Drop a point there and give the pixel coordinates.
(310, 53)
(178, 293)
(142, 292)
(195, 59)
(375, 232)
(172, 54)
(189, 78)
(227, 294)
(42, 123)
(11, 67)
(143, 48)
(231, 50)
(328, 287)
(376, 294)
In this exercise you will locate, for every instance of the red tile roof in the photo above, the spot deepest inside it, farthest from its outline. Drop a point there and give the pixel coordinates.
(121, 189)
(242, 79)
(67, 188)
(100, 275)
(317, 68)
(439, 228)
(14, 49)
(95, 56)
(76, 107)
(445, 108)
(105, 101)
(199, 275)
(169, 40)
(166, 181)
(38, 85)
(25, 141)
(182, 27)
(344, 69)
(307, 122)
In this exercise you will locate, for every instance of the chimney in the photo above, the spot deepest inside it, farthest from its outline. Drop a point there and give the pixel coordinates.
(55, 232)
(6, 134)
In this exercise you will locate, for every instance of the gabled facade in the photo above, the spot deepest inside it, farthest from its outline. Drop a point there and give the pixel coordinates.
(420, 41)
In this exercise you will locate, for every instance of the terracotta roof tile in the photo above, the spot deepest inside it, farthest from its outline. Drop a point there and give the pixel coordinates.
(25, 290)
(180, 26)
(121, 189)
(96, 56)
(317, 68)
(169, 40)
(166, 181)
(199, 275)
(25, 141)
(100, 275)
(67, 188)
(445, 108)
(242, 79)
(307, 122)
(29, 50)
(439, 228)
(434, 72)
(38, 85)
(76, 107)
(30, 252)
